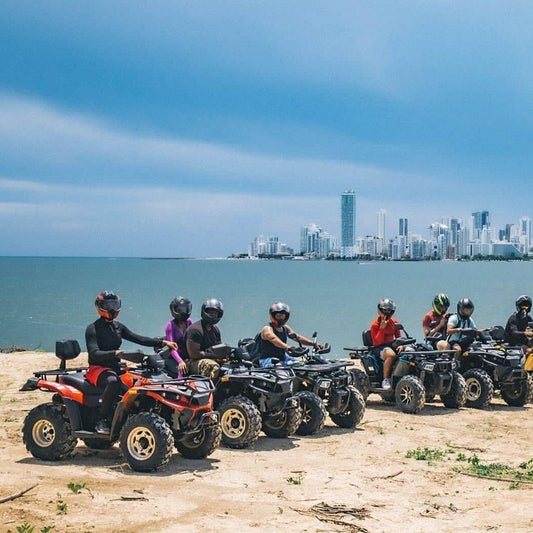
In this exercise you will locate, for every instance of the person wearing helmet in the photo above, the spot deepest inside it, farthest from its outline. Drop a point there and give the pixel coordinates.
(104, 338)
(517, 330)
(435, 321)
(384, 331)
(202, 335)
(274, 337)
(180, 309)
(459, 321)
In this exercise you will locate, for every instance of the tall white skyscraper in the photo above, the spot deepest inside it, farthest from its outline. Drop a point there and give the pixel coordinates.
(348, 213)
(382, 215)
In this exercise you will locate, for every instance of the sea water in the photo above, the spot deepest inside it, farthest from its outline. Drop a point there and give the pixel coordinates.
(44, 299)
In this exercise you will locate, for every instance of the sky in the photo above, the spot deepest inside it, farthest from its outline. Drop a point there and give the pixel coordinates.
(186, 129)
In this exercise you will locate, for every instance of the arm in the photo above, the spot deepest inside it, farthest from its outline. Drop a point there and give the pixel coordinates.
(301, 339)
(145, 341)
(169, 335)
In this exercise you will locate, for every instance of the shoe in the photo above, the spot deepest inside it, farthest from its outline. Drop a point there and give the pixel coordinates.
(102, 426)
(386, 384)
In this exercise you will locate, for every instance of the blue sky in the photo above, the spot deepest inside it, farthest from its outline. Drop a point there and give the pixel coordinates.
(178, 128)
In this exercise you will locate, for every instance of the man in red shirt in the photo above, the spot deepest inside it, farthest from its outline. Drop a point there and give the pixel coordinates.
(384, 331)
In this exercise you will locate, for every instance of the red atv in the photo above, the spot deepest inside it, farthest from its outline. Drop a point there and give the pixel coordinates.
(154, 413)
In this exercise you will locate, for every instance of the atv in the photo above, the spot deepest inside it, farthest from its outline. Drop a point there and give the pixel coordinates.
(155, 412)
(250, 399)
(419, 372)
(488, 365)
(331, 382)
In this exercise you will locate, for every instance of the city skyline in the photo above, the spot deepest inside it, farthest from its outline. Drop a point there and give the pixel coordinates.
(447, 238)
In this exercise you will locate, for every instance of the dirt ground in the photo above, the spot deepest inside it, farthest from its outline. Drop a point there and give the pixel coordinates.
(339, 480)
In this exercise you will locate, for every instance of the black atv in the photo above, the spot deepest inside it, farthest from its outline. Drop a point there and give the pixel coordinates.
(331, 382)
(488, 365)
(418, 372)
(250, 399)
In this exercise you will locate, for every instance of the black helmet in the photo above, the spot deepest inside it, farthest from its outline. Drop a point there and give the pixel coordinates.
(180, 308)
(440, 303)
(108, 305)
(387, 306)
(212, 311)
(279, 307)
(465, 303)
(523, 302)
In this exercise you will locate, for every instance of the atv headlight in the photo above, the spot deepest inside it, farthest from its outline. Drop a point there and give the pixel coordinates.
(324, 384)
(454, 365)
(429, 367)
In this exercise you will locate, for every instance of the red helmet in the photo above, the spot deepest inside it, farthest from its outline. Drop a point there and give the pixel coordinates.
(108, 305)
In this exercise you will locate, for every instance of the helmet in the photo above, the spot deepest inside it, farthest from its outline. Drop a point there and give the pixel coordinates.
(279, 307)
(523, 302)
(108, 305)
(465, 303)
(440, 303)
(180, 308)
(212, 311)
(387, 307)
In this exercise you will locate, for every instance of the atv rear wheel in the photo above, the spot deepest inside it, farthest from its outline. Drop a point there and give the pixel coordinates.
(240, 421)
(47, 433)
(313, 413)
(284, 424)
(410, 394)
(361, 382)
(201, 444)
(456, 397)
(146, 441)
(354, 412)
(479, 388)
(519, 394)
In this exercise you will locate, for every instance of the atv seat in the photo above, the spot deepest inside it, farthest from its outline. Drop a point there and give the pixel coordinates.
(367, 338)
(78, 381)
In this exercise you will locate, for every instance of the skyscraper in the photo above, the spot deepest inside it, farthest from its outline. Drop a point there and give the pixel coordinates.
(403, 227)
(348, 212)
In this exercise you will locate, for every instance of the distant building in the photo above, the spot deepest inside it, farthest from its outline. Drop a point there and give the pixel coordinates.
(315, 243)
(348, 218)
(403, 227)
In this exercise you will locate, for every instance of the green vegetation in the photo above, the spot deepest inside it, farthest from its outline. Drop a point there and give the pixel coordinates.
(295, 480)
(475, 467)
(27, 528)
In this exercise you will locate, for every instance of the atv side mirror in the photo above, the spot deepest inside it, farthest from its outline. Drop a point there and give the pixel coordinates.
(291, 335)
(398, 326)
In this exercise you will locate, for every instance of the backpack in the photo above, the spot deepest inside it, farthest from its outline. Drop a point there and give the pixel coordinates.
(255, 350)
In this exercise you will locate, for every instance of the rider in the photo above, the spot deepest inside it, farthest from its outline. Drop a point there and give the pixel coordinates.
(201, 336)
(103, 338)
(517, 330)
(384, 331)
(458, 340)
(434, 321)
(180, 309)
(274, 337)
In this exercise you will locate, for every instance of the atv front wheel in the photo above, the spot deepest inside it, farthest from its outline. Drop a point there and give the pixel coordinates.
(47, 432)
(354, 412)
(479, 388)
(201, 444)
(361, 382)
(240, 421)
(284, 424)
(456, 396)
(519, 394)
(313, 413)
(410, 394)
(146, 441)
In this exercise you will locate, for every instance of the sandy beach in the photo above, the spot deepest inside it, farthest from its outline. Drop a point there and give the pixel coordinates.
(395, 471)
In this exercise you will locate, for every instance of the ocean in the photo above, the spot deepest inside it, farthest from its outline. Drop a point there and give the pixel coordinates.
(46, 298)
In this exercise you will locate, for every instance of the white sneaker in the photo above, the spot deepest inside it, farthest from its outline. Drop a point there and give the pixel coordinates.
(386, 384)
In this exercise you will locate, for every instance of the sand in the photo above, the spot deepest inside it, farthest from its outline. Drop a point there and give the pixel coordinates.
(340, 480)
